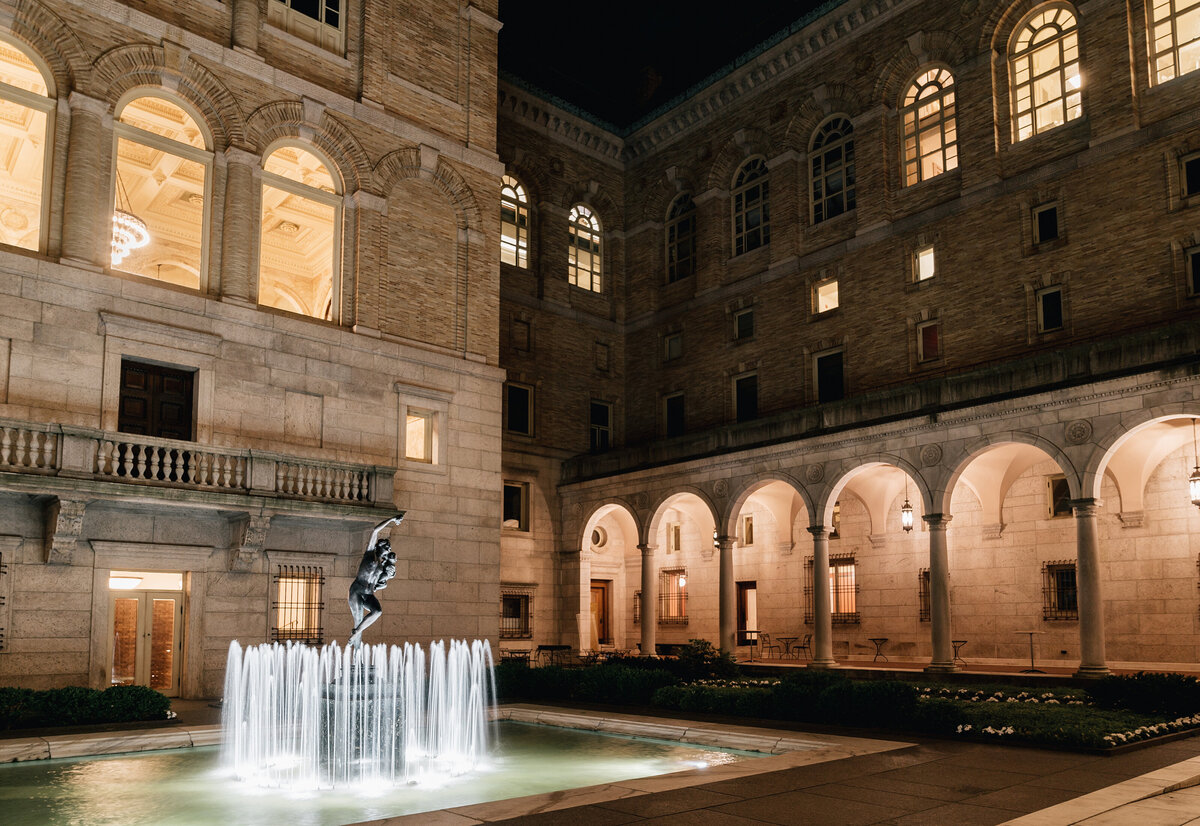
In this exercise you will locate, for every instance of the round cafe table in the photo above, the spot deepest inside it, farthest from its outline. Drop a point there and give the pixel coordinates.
(1032, 668)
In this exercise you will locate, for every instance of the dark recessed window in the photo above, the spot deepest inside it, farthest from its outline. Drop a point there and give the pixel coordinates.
(672, 346)
(516, 510)
(681, 238)
(520, 336)
(1060, 594)
(1193, 271)
(519, 413)
(745, 398)
(743, 324)
(600, 426)
(673, 415)
(929, 341)
(1191, 176)
(1046, 224)
(751, 207)
(1058, 494)
(155, 401)
(1050, 309)
(830, 381)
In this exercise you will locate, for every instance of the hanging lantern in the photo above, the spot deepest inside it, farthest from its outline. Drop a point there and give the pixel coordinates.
(906, 512)
(1194, 479)
(129, 233)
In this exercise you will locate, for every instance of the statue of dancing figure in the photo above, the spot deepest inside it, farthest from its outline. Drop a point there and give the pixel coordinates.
(377, 567)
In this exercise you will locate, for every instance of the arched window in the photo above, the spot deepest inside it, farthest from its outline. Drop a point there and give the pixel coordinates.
(583, 251)
(1174, 38)
(514, 223)
(27, 104)
(681, 238)
(832, 167)
(300, 245)
(928, 131)
(751, 207)
(1043, 60)
(160, 192)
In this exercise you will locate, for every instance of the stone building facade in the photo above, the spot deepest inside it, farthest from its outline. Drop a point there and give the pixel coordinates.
(938, 254)
(195, 439)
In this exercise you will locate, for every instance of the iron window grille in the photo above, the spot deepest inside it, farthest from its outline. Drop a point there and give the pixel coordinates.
(298, 605)
(516, 612)
(672, 596)
(925, 607)
(1059, 591)
(3, 603)
(637, 608)
(843, 590)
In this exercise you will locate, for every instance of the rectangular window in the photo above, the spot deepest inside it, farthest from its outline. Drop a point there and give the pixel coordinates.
(923, 264)
(828, 377)
(516, 506)
(1058, 497)
(600, 426)
(298, 604)
(745, 398)
(674, 537)
(743, 324)
(1192, 268)
(515, 613)
(1191, 166)
(1059, 593)
(825, 296)
(843, 589)
(924, 606)
(835, 521)
(672, 596)
(518, 409)
(747, 530)
(1050, 309)
(1045, 224)
(155, 401)
(317, 21)
(418, 436)
(929, 345)
(673, 415)
(672, 346)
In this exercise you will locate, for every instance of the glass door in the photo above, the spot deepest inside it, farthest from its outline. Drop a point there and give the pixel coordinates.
(147, 633)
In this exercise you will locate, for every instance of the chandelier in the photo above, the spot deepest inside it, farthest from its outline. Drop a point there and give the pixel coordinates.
(129, 232)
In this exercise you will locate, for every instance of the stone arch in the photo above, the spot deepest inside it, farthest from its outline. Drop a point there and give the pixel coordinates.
(659, 196)
(941, 494)
(877, 498)
(922, 49)
(604, 507)
(1002, 19)
(287, 120)
(651, 527)
(612, 218)
(125, 68)
(755, 484)
(745, 143)
(533, 183)
(404, 164)
(46, 34)
(1105, 448)
(836, 98)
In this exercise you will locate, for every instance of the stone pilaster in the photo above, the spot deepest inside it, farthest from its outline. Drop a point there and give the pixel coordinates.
(241, 219)
(87, 210)
(245, 25)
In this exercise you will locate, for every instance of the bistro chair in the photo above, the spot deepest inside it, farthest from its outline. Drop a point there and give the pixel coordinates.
(765, 645)
(804, 645)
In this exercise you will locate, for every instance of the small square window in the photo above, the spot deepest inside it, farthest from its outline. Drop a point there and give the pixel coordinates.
(827, 373)
(600, 426)
(672, 596)
(929, 344)
(745, 398)
(601, 357)
(743, 324)
(672, 346)
(1050, 309)
(748, 529)
(520, 336)
(516, 506)
(1192, 265)
(519, 412)
(1060, 594)
(1191, 176)
(825, 296)
(298, 604)
(1058, 494)
(514, 616)
(924, 266)
(673, 415)
(418, 436)
(1045, 224)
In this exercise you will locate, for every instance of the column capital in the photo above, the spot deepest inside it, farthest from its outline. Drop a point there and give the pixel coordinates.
(723, 542)
(647, 550)
(936, 521)
(1086, 507)
(361, 199)
(235, 154)
(80, 102)
(818, 531)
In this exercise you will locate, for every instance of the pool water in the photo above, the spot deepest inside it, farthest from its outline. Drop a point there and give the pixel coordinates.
(185, 786)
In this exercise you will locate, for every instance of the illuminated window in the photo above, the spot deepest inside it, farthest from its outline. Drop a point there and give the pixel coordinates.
(751, 207)
(928, 132)
(317, 21)
(825, 296)
(298, 604)
(514, 223)
(26, 106)
(832, 169)
(924, 264)
(748, 529)
(843, 589)
(418, 436)
(929, 344)
(301, 234)
(583, 251)
(1174, 38)
(672, 596)
(681, 238)
(674, 537)
(162, 179)
(1043, 61)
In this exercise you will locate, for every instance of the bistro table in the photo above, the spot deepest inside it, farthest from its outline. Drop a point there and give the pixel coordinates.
(879, 643)
(787, 645)
(1032, 668)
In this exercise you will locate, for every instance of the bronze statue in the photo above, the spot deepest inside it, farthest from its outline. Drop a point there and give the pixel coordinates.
(377, 567)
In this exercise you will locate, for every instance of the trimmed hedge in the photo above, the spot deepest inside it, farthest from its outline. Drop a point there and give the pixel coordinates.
(1148, 692)
(604, 683)
(77, 706)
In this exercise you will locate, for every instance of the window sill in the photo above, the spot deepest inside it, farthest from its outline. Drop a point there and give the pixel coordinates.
(313, 49)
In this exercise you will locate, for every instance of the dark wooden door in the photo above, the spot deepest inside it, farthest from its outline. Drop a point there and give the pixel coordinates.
(156, 401)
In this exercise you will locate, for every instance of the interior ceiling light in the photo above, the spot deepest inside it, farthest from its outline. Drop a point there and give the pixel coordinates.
(129, 232)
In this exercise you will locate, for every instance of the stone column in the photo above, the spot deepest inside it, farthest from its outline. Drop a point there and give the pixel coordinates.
(822, 610)
(87, 205)
(727, 599)
(649, 599)
(1087, 583)
(245, 25)
(939, 594)
(241, 220)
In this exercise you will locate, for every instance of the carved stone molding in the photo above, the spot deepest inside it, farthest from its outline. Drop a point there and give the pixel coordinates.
(931, 455)
(721, 488)
(814, 473)
(250, 545)
(992, 531)
(1132, 519)
(64, 524)
(1079, 431)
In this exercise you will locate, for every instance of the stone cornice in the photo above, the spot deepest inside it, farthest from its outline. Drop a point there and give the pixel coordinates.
(545, 116)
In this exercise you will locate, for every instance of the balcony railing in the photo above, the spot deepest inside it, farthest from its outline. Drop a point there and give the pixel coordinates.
(124, 458)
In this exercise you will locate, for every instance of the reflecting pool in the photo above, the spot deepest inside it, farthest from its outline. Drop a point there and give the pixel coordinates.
(186, 786)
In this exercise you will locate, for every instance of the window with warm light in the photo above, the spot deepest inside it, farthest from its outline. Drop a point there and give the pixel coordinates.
(929, 134)
(298, 604)
(681, 238)
(300, 242)
(320, 22)
(929, 344)
(924, 264)
(514, 223)
(674, 537)
(516, 506)
(418, 436)
(751, 207)
(1174, 38)
(27, 107)
(1043, 60)
(672, 596)
(825, 296)
(832, 169)
(161, 192)
(843, 589)
(583, 249)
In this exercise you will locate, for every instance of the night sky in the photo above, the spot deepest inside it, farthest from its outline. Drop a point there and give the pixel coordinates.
(619, 60)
